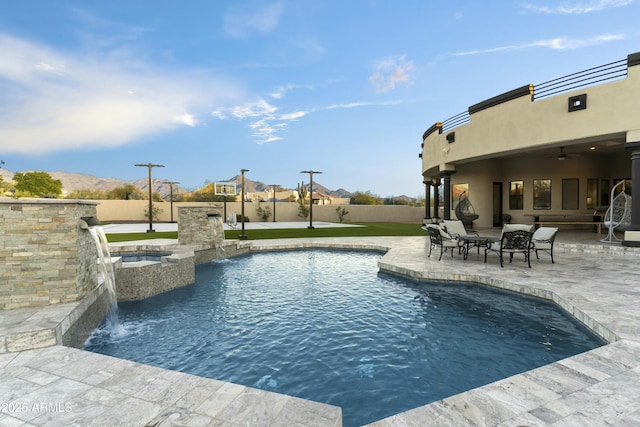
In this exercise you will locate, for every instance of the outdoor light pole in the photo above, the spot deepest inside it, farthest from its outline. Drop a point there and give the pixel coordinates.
(310, 172)
(150, 166)
(242, 235)
(274, 201)
(171, 196)
(224, 193)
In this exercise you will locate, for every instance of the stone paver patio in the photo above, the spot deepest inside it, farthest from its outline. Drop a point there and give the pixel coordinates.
(598, 284)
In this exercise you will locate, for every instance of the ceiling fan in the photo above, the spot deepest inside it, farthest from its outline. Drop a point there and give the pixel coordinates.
(564, 156)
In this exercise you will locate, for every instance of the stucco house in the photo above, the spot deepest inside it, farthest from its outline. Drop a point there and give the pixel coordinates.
(545, 152)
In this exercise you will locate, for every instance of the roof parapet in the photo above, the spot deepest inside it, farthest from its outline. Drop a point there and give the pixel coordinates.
(499, 99)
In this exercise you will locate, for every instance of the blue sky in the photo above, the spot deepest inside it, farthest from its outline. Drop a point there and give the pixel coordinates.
(207, 88)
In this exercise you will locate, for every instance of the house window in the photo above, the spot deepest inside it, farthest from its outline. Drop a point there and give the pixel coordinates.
(592, 193)
(516, 195)
(570, 193)
(541, 194)
(604, 192)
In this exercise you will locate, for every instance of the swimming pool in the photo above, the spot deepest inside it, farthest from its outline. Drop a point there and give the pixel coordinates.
(326, 326)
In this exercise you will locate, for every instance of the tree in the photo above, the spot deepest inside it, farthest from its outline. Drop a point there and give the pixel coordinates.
(37, 184)
(342, 212)
(207, 194)
(360, 198)
(87, 194)
(128, 192)
(264, 213)
(155, 212)
(4, 186)
(401, 200)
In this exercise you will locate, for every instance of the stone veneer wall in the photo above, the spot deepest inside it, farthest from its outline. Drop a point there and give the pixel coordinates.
(200, 226)
(143, 279)
(46, 257)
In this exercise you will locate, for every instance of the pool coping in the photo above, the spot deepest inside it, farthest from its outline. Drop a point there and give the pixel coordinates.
(602, 385)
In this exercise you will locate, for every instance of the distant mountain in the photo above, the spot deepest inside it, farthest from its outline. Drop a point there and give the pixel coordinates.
(6, 175)
(79, 181)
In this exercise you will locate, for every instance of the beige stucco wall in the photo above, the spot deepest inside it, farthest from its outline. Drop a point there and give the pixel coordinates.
(521, 124)
(133, 210)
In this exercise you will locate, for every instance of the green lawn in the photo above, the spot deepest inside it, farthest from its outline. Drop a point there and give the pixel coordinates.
(126, 237)
(368, 229)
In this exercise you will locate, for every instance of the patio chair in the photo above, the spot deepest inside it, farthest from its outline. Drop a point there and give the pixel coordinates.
(543, 239)
(618, 216)
(512, 242)
(456, 228)
(464, 211)
(439, 237)
(232, 221)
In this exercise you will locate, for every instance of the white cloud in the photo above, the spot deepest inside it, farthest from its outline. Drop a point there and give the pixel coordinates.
(361, 104)
(187, 119)
(389, 72)
(240, 23)
(269, 122)
(264, 131)
(579, 7)
(294, 116)
(560, 43)
(254, 109)
(52, 101)
(281, 91)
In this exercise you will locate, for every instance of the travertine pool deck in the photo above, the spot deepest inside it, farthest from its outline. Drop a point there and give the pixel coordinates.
(599, 284)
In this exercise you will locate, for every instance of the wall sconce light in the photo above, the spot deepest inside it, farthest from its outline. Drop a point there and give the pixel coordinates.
(451, 137)
(420, 155)
(578, 102)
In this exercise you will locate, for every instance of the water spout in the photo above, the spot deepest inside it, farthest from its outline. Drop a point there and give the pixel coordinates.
(105, 268)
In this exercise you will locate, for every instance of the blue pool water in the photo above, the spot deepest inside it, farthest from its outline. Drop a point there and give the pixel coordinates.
(326, 326)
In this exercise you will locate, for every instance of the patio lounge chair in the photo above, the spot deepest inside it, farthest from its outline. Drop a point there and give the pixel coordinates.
(439, 237)
(618, 216)
(515, 238)
(543, 239)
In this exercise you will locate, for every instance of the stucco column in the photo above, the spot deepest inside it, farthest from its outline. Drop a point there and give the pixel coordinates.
(632, 236)
(427, 199)
(436, 199)
(446, 175)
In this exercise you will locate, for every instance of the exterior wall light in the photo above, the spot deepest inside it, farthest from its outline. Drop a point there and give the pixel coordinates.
(578, 102)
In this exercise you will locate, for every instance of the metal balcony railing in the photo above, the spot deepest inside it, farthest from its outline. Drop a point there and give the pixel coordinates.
(455, 121)
(613, 71)
(590, 77)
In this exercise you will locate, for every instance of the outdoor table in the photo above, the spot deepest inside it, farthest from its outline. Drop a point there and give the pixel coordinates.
(469, 242)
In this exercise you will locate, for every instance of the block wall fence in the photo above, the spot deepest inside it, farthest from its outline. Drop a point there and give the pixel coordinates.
(134, 211)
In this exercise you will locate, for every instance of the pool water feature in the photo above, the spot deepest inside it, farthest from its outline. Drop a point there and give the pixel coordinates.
(141, 256)
(105, 269)
(326, 326)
